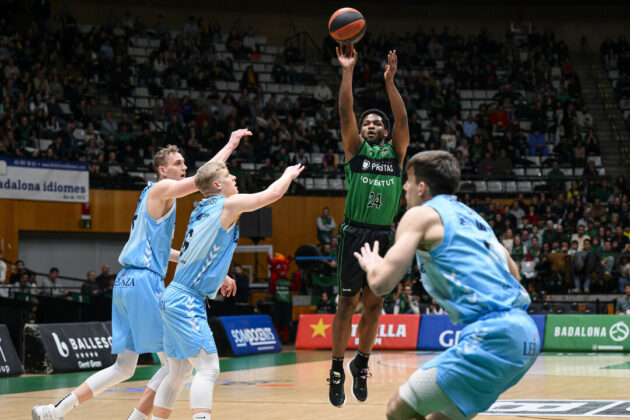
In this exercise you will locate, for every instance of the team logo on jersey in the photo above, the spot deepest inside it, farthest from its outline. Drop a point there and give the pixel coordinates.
(384, 152)
(366, 164)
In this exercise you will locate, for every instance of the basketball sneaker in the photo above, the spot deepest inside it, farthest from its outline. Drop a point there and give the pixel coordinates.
(336, 394)
(359, 381)
(44, 412)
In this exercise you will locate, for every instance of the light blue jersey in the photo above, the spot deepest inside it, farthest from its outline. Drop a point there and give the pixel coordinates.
(149, 243)
(136, 318)
(468, 276)
(468, 272)
(207, 249)
(203, 264)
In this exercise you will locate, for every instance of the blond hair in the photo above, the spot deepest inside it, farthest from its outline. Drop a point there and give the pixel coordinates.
(206, 175)
(438, 169)
(160, 157)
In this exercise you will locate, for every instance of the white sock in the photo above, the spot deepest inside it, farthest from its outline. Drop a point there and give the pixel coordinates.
(201, 416)
(136, 415)
(158, 418)
(67, 403)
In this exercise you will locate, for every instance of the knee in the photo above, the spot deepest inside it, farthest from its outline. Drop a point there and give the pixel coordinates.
(391, 412)
(346, 306)
(126, 370)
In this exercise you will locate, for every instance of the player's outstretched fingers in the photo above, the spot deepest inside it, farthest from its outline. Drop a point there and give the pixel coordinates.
(376, 246)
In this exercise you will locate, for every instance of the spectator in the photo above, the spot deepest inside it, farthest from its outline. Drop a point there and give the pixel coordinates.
(434, 308)
(406, 303)
(584, 264)
(242, 286)
(51, 286)
(323, 93)
(3, 270)
(537, 144)
(90, 287)
(580, 237)
(325, 306)
(623, 303)
(17, 270)
(555, 179)
(104, 278)
(23, 285)
(325, 226)
(469, 127)
(108, 125)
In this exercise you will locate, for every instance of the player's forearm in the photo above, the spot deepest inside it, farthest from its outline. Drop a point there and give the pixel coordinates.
(382, 278)
(396, 102)
(346, 100)
(223, 154)
(279, 187)
(174, 255)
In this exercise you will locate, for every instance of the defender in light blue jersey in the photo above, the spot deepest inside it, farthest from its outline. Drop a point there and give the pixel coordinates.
(202, 267)
(136, 319)
(472, 276)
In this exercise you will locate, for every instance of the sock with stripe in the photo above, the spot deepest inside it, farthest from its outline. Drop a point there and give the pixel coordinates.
(67, 403)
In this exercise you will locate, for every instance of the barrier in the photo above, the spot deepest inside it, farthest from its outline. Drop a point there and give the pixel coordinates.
(67, 347)
(9, 362)
(395, 332)
(438, 333)
(587, 333)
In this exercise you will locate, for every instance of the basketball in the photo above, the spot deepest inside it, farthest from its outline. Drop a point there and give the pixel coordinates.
(347, 26)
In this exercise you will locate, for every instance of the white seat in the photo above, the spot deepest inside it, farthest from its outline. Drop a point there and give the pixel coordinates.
(518, 171)
(510, 186)
(524, 186)
(336, 184)
(321, 183)
(495, 186)
(532, 172)
(480, 186)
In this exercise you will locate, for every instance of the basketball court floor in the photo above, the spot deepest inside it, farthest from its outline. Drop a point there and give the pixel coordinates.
(292, 385)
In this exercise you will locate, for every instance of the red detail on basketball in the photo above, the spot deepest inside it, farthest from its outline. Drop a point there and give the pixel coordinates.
(347, 25)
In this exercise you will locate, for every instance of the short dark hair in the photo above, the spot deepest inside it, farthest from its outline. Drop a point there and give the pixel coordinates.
(438, 169)
(53, 269)
(377, 112)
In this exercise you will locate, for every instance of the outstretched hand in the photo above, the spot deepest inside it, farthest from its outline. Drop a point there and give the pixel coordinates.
(369, 257)
(347, 55)
(236, 136)
(392, 65)
(294, 171)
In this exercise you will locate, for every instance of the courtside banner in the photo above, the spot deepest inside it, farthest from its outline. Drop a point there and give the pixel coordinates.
(42, 180)
(9, 362)
(587, 333)
(251, 334)
(437, 332)
(399, 332)
(67, 347)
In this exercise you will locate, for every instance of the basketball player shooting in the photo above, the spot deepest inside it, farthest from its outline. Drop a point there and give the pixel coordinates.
(472, 276)
(374, 178)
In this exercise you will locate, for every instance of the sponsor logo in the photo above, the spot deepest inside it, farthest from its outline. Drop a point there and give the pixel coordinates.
(4, 367)
(256, 337)
(619, 331)
(124, 281)
(377, 182)
(366, 164)
(384, 331)
(449, 338)
(561, 408)
(80, 345)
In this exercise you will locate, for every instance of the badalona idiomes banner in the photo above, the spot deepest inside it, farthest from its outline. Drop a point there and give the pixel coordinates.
(41, 180)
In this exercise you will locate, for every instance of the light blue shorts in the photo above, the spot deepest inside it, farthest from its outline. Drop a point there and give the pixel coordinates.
(186, 328)
(136, 320)
(492, 355)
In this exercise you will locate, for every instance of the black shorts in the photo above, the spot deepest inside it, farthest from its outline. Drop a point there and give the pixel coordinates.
(352, 236)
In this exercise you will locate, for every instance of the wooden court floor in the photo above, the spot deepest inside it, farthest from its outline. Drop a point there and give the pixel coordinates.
(292, 385)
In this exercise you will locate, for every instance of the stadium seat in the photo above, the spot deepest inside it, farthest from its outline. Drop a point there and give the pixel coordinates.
(495, 186)
(321, 184)
(480, 186)
(524, 186)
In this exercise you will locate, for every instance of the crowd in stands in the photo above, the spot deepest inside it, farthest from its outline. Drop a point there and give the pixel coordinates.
(68, 85)
(25, 281)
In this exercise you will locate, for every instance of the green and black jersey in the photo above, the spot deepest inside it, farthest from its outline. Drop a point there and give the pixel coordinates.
(374, 182)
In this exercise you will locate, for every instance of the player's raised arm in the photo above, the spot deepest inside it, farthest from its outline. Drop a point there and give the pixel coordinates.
(350, 139)
(400, 130)
(241, 203)
(512, 266)
(169, 187)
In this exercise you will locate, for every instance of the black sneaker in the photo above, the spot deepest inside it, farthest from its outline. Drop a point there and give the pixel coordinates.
(359, 381)
(336, 394)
